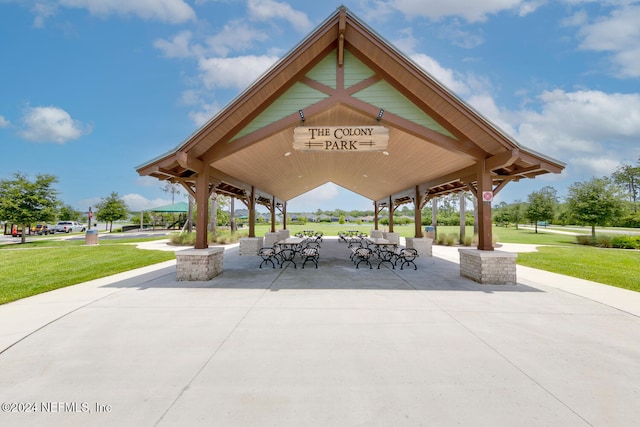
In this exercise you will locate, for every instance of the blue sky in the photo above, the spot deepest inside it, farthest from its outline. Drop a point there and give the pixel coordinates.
(90, 89)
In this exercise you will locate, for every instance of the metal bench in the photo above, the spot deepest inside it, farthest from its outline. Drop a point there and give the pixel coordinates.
(407, 256)
(268, 255)
(361, 255)
(310, 254)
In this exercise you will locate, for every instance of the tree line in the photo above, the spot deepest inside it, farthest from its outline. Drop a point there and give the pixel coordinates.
(607, 201)
(25, 202)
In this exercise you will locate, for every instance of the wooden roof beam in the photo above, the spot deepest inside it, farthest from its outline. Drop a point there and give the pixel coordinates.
(412, 128)
(502, 160)
(189, 162)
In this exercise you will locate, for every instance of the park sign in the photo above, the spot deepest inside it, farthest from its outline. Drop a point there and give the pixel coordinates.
(341, 138)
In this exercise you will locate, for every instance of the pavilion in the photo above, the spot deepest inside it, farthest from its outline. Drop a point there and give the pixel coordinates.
(345, 106)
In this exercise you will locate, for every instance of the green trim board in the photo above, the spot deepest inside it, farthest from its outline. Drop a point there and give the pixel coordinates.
(383, 95)
(298, 97)
(354, 70)
(380, 94)
(325, 71)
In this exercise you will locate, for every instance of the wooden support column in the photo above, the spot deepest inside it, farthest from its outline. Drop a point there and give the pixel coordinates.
(273, 214)
(485, 184)
(417, 216)
(202, 203)
(284, 216)
(434, 215)
(252, 212)
(375, 215)
(390, 215)
(463, 215)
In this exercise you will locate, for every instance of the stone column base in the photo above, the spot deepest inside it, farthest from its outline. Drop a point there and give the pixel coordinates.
(421, 244)
(284, 233)
(375, 234)
(392, 237)
(270, 238)
(488, 267)
(249, 246)
(199, 264)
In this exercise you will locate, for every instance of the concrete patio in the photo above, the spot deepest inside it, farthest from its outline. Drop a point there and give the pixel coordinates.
(332, 346)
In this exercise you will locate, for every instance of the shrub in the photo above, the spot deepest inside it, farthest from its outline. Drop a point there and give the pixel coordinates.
(603, 241)
(224, 238)
(451, 239)
(584, 239)
(626, 242)
(182, 239)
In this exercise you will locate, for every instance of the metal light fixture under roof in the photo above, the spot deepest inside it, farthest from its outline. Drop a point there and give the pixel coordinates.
(379, 115)
(301, 115)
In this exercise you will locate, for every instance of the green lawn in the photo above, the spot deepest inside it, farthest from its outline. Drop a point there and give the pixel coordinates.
(560, 254)
(615, 267)
(46, 265)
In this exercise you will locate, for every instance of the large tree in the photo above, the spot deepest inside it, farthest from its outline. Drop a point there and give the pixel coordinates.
(67, 213)
(113, 208)
(594, 202)
(628, 177)
(541, 205)
(173, 189)
(25, 202)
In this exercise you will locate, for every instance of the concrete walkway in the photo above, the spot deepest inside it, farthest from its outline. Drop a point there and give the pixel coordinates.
(332, 346)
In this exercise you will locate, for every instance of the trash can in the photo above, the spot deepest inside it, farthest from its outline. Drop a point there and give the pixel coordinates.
(430, 232)
(91, 238)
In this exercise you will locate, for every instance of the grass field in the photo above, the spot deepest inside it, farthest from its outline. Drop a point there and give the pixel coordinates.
(46, 264)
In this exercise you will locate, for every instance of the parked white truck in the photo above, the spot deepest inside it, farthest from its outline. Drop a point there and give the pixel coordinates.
(68, 227)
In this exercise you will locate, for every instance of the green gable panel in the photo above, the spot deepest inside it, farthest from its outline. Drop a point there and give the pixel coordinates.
(297, 98)
(325, 71)
(384, 96)
(354, 70)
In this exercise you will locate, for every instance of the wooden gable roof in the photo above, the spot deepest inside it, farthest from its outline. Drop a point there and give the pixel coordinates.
(344, 74)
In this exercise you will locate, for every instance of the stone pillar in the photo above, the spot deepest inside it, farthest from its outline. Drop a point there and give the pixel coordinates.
(376, 233)
(488, 267)
(199, 264)
(421, 244)
(250, 246)
(392, 237)
(284, 234)
(271, 238)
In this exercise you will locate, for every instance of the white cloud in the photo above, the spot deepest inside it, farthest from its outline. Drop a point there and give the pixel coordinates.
(619, 34)
(177, 47)
(51, 124)
(4, 122)
(463, 85)
(470, 10)
(268, 10)
(319, 196)
(449, 78)
(204, 114)
(592, 131)
(172, 11)
(238, 72)
(42, 11)
(235, 36)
